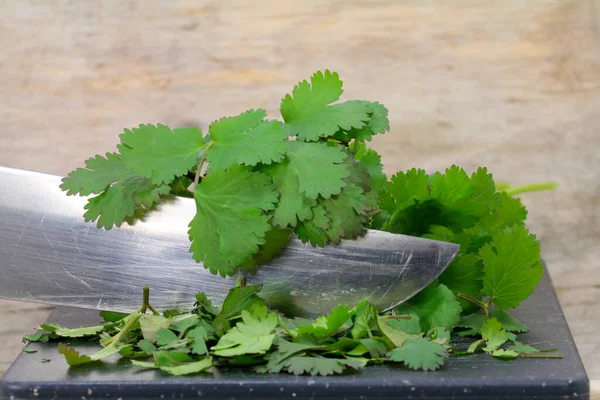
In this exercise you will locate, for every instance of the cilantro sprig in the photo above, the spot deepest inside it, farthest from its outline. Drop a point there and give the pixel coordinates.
(252, 175)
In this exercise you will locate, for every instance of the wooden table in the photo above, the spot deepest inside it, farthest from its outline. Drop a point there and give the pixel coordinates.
(511, 85)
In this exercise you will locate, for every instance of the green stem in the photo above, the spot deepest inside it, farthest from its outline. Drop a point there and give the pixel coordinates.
(541, 355)
(145, 300)
(536, 187)
(388, 317)
(126, 328)
(485, 307)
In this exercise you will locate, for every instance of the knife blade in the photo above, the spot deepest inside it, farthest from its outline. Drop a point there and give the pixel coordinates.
(49, 254)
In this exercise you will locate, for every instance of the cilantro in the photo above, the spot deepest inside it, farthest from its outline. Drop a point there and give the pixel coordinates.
(251, 336)
(72, 333)
(151, 324)
(411, 326)
(396, 336)
(511, 267)
(165, 337)
(246, 139)
(493, 334)
(110, 316)
(256, 182)
(338, 320)
(146, 346)
(320, 365)
(241, 298)
(309, 116)
(464, 275)
(29, 350)
(435, 307)
(505, 354)
(523, 348)
(159, 153)
(98, 174)
(419, 353)
(229, 224)
(189, 368)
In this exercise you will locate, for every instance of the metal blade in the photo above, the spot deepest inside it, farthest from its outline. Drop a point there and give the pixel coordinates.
(48, 254)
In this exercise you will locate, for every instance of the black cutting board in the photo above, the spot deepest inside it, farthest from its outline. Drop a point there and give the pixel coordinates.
(471, 377)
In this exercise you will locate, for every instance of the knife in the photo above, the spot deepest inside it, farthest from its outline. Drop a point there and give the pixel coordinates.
(49, 254)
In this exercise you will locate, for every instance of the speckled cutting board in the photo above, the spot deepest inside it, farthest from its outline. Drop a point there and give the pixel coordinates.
(478, 376)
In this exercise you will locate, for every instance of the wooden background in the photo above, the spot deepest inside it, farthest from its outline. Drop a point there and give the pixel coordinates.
(512, 85)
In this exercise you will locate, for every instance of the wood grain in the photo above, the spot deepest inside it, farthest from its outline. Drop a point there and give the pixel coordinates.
(511, 85)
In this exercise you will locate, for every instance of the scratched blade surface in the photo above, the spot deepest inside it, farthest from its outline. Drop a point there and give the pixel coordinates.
(48, 254)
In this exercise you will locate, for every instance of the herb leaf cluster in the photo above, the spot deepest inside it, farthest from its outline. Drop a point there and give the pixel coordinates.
(256, 182)
(256, 179)
(244, 333)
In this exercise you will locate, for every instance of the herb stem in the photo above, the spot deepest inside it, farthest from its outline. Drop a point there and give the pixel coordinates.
(145, 300)
(541, 355)
(478, 303)
(536, 187)
(201, 160)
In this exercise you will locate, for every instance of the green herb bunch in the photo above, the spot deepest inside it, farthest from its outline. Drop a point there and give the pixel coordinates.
(257, 181)
(258, 184)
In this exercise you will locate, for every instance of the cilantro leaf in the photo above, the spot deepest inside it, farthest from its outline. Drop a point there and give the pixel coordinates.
(40, 336)
(146, 346)
(275, 241)
(464, 275)
(151, 324)
(406, 188)
(72, 356)
(493, 334)
(112, 316)
(229, 224)
(336, 321)
(372, 161)
(319, 168)
(179, 187)
(366, 315)
(159, 153)
(143, 192)
(99, 173)
(472, 324)
(110, 207)
(293, 205)
(508, 322)
(314, 230)
(411, 326)
(72, 332)
(419, 353)
(344, 211)
(436, 306)
(299, 365)
(378, 123)
(165, 358)
(165, 337)
(307, 112)
(376, 346)
(189, 368)
(251, 336)
(246, 139)
(396, 336)
(512, 267)
(505, 354)
(241, 298)
(523, 348)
